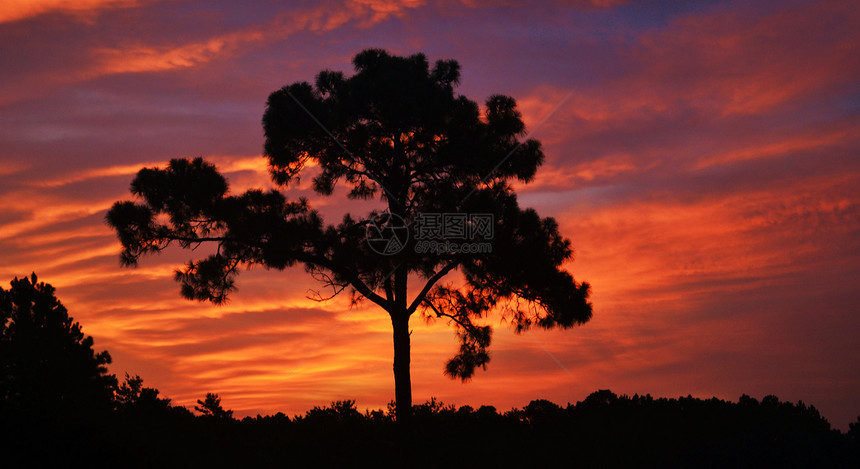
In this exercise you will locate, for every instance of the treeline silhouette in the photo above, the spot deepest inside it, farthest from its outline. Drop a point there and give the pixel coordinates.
(60, 408)
(604, 430)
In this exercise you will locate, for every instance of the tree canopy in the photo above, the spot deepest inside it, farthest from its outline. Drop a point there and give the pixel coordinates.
(48, 368)
(55, 391)
(397, 132)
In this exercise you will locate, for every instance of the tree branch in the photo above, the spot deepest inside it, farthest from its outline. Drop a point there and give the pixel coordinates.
(350, 277)
(432, 281)
(439, 314)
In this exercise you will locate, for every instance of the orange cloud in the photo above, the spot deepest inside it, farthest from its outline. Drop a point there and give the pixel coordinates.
(50, 211)
(16, 10)
(601, 170)
(812, 139)
(226, 164)
(321, 18)
(12, 167)
(671, 250)
(381, 9)
(576, 3)
(716, 65)
(734, 64)
(137, 59)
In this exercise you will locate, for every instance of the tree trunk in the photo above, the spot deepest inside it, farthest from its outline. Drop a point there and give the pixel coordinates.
(402, 378)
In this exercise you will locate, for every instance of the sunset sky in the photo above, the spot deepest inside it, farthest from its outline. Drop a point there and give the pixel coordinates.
(702, 156)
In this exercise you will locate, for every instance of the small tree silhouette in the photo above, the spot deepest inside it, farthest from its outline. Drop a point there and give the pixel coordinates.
(211, 406)
(55, 392)
(48, 368)
(132, 394)
(395, 130)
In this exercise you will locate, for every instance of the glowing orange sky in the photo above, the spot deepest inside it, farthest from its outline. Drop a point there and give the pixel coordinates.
(704, 160)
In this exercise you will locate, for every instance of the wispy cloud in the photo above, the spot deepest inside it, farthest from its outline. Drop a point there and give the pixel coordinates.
(140, 58)
(321, 18)
(16, 10)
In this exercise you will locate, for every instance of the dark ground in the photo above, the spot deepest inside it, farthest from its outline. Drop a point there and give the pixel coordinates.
(604, 430)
